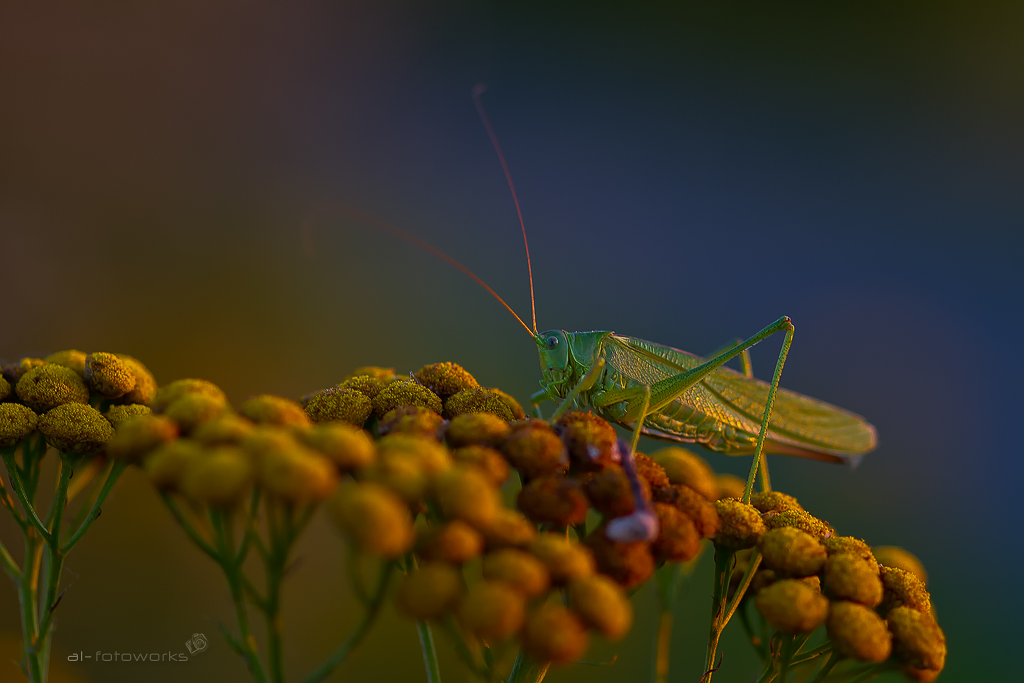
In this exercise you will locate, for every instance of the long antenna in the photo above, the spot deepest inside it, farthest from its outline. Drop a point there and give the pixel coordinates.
(398, 232)
(477, 89)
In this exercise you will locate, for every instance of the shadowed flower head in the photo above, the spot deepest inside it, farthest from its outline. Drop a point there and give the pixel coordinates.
(848, 545)
(70, 358)
(180, 388)
(689, 469)
(517, 568)
(487, 460)
(376, 520)
(554, 634)
(454, 542)
(602, 605)
(476, 429)
(13, 372)
(221, 477)
(792, 552)
(445, 379)
(467, 494)
(553, 500)
(107, 375)
(628, 564)
(338, 404)
(145, 388)
(698, 508)
(413, 420)
(741, 524)
(117, 414)
(16, 422)
(5, 388)
(917, 639)
(193, 409)
(848, 577)
(374, 371)
(226, 428)
(565, 559)
(274, 410)
(138, 436)
(166, 465)
(430, 592)
(678, 539)
(858, 632)
(589, 439)
(367, 385)
(610, 492)
(509, 528)
(297, 475)
(492, 610)
(75, 428)
(729, 486)
(48, 386)
(893, 556)
(477, 400)
(535, 450)
(404, 393)
(791, 606)
(348, 447)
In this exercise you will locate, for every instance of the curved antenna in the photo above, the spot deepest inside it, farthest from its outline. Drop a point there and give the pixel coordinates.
(398, 232)
(477, 89)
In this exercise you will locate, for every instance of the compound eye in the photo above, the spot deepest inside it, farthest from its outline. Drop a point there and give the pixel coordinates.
(552, 342)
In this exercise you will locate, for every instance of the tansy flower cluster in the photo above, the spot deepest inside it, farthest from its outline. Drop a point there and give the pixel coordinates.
(872, 603)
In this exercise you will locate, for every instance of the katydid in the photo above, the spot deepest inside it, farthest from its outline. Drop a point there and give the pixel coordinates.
(674, 395)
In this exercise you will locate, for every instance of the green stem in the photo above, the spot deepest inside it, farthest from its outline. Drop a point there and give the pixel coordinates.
(232, 572)
(826, 669)
(462, 649)
(667, 581)
(27, 596)
(14, 474)
(360, 631)
(116, 469)
(785, 655)
(871, 672)
(55, 556)
(813, 654)
(189, 528)
(724, 558)
(429, 652)
(526, 670)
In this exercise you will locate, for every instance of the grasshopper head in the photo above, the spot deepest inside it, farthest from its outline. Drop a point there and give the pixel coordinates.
(554, 356)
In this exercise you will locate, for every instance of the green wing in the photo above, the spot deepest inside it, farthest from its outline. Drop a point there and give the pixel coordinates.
(724, 410)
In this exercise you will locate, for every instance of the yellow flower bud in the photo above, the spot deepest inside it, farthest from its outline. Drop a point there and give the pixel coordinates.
(610, 491)
(275, 410)
(917, 639)
(773, 501)
(48, 386)
(5, 388)
(741, 524)
(554, 634)
(138, 436)
(566, 560)
(492, 610)
(404, 393)
(167, 464)
(479, 429)
(108, 375)
(509, 528)
(347, 447)
(730, 486)
(602, 604)
(792, 552)
(519, 569)
(464, 493)
(513, 405)
(75, 427)
(430, 592)
(589, 439)
(893, 556)
(220, 478)
(454, 542)
(71, 358)
(411, 421)
(297, 476)
(848, 545)
(554, 499)
(903, 588)
(799, 519)
(367, 385)
(191, 410)
(145, 389)
(445, 379)
(374, 518)
(688, 468)
(169, 393)
(338, 404)
(858, 632)
(848, 577)
(791, 606)
(678, 539)
(431, 455)
(478, 400)
(226, 428)
(16, 422)
(628, 564)
(698, 508)
(373, 371)
(118, 414)
(535, 450)
(487, 460)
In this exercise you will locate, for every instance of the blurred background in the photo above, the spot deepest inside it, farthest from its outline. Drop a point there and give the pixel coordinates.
(168, 173)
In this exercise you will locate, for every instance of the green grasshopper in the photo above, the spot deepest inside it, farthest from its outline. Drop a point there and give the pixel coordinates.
(673, 395)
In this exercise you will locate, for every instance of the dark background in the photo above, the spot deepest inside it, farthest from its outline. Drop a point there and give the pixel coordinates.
(687, 175)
